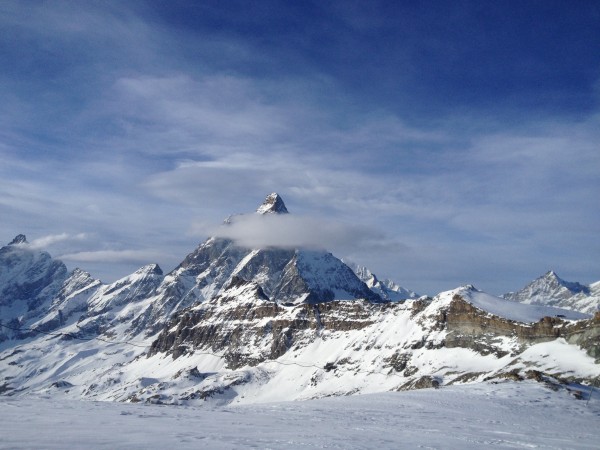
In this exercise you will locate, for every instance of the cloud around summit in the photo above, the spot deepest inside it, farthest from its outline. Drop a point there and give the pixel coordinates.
(291, 231)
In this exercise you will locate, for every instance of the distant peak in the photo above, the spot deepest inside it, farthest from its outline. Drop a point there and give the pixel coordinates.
(19, 239)
(551, 275)
(273, 204)
(153, 269)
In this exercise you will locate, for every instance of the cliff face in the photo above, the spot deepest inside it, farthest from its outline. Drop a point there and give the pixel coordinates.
(471, 327)
(247, 328)
(586, 334)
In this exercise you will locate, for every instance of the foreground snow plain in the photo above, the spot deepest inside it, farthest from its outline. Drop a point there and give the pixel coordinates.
(502, 415)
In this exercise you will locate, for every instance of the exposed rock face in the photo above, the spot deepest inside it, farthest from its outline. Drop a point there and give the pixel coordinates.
(424, 382)
(38, 295)
(247, 329)
(317, 277)
(19, 239)
(586, 334)
(243, 318)
(142, 302)
(27, 275)
(241, 343)
(470, 327)
(273, 204)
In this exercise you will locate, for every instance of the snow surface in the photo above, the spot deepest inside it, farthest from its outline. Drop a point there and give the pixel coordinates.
(503, 415)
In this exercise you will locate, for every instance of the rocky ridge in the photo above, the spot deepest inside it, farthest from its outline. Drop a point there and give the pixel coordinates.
(386, 289)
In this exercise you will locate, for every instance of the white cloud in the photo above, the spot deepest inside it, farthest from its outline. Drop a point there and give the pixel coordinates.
(114, 256)
(291, 231)
(46, 241)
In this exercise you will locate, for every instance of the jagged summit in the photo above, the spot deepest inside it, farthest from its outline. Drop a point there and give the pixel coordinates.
(19, 239)
(273, 204)
(152, 268)
(551, 275)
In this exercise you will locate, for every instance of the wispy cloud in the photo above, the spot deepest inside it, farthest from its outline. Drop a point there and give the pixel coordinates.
(114, 256)
(46, 241)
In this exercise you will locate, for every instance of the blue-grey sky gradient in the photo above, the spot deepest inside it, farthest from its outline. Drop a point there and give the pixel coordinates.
(459, 139)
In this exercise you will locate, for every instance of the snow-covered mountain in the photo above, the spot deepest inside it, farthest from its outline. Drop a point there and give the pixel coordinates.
(273, 204)
(386, 289)
(235, 324)
(29, 280)
(142, 302)
(241, 347)
(551, 290)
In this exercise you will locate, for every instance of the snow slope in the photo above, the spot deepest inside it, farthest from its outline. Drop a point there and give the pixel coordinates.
(503, 415)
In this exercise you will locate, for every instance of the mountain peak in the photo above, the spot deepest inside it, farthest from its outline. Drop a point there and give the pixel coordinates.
(273, 204)
(552, 277)
(19, 239)
(551, 290)
(153, 269)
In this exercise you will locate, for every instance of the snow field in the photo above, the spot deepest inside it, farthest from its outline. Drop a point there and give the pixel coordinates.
(503, 415)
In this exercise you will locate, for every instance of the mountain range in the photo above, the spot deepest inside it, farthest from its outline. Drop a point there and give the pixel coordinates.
(232, 324)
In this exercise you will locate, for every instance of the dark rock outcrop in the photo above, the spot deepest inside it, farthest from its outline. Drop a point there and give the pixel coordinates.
(470, 327)
(230, 326)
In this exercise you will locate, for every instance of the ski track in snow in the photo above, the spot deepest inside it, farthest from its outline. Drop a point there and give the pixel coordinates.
(503, 415)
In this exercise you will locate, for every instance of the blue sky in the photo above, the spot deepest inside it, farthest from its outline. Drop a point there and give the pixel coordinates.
(447, 142)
